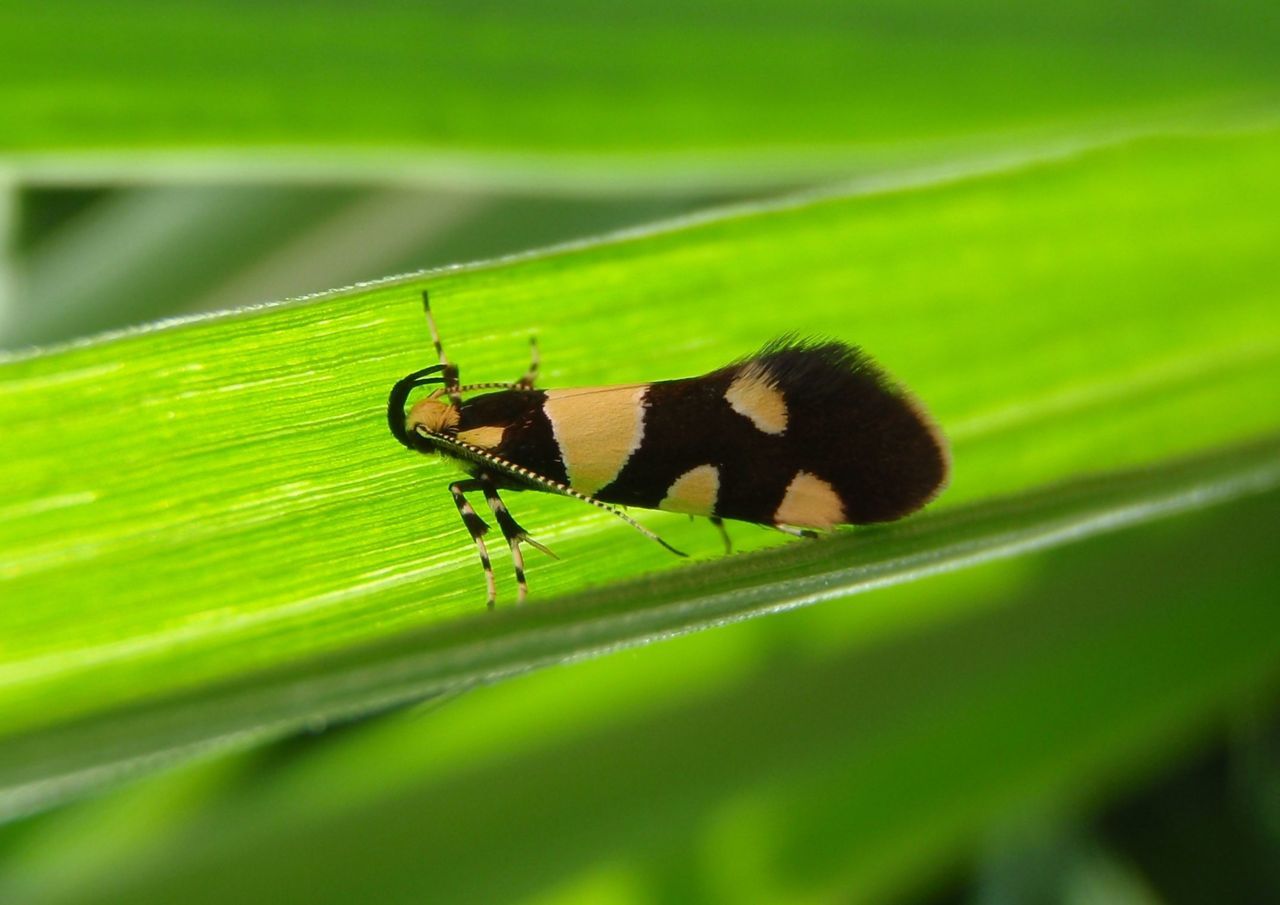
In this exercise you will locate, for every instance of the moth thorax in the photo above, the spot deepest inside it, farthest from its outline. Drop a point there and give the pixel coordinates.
(431, 415)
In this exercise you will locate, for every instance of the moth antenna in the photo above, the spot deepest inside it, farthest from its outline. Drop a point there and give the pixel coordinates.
(477, 454)
(808, 533)
(491, 385)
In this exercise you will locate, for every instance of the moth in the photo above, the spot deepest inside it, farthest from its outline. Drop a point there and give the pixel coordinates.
(802, 436)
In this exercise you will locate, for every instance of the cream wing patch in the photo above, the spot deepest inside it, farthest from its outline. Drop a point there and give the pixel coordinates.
(694, 492)
(754, 395)
(810, 502)
(487, 437)
(597, 430)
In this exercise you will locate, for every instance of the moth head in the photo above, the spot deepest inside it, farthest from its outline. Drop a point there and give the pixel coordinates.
(431, 416)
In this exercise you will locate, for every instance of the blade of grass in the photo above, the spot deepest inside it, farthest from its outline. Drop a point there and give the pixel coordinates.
(811, 767)
(8, 248)
(114, 265)
(640, 94)
(42, 767)
(194, 504)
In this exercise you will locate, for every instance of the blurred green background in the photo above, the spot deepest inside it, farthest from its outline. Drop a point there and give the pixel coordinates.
(1086, 723)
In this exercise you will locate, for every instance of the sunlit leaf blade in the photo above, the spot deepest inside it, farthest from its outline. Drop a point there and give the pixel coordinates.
(802, 771)
(189, 506)
(47, 765)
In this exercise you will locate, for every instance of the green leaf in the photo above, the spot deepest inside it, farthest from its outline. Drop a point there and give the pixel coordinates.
(815, 756)
(196, 509)
(715, 92)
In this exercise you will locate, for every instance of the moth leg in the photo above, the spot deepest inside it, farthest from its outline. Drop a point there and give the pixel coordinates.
(530, 376)
(450, 372)
(796, 532)
(502, 466)
(478, 529)
(724, 535)
(514, 535)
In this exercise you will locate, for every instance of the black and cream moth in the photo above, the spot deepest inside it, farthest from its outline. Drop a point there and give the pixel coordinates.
(803, 435)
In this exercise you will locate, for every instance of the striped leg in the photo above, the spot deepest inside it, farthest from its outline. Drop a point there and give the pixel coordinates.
(478, 529)
(450, 373)
(531, 376)
(514, 534)
(796, 532)
(724, 535)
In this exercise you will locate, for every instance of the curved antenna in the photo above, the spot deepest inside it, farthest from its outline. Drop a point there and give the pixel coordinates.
(476, 454)
(400, 395)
